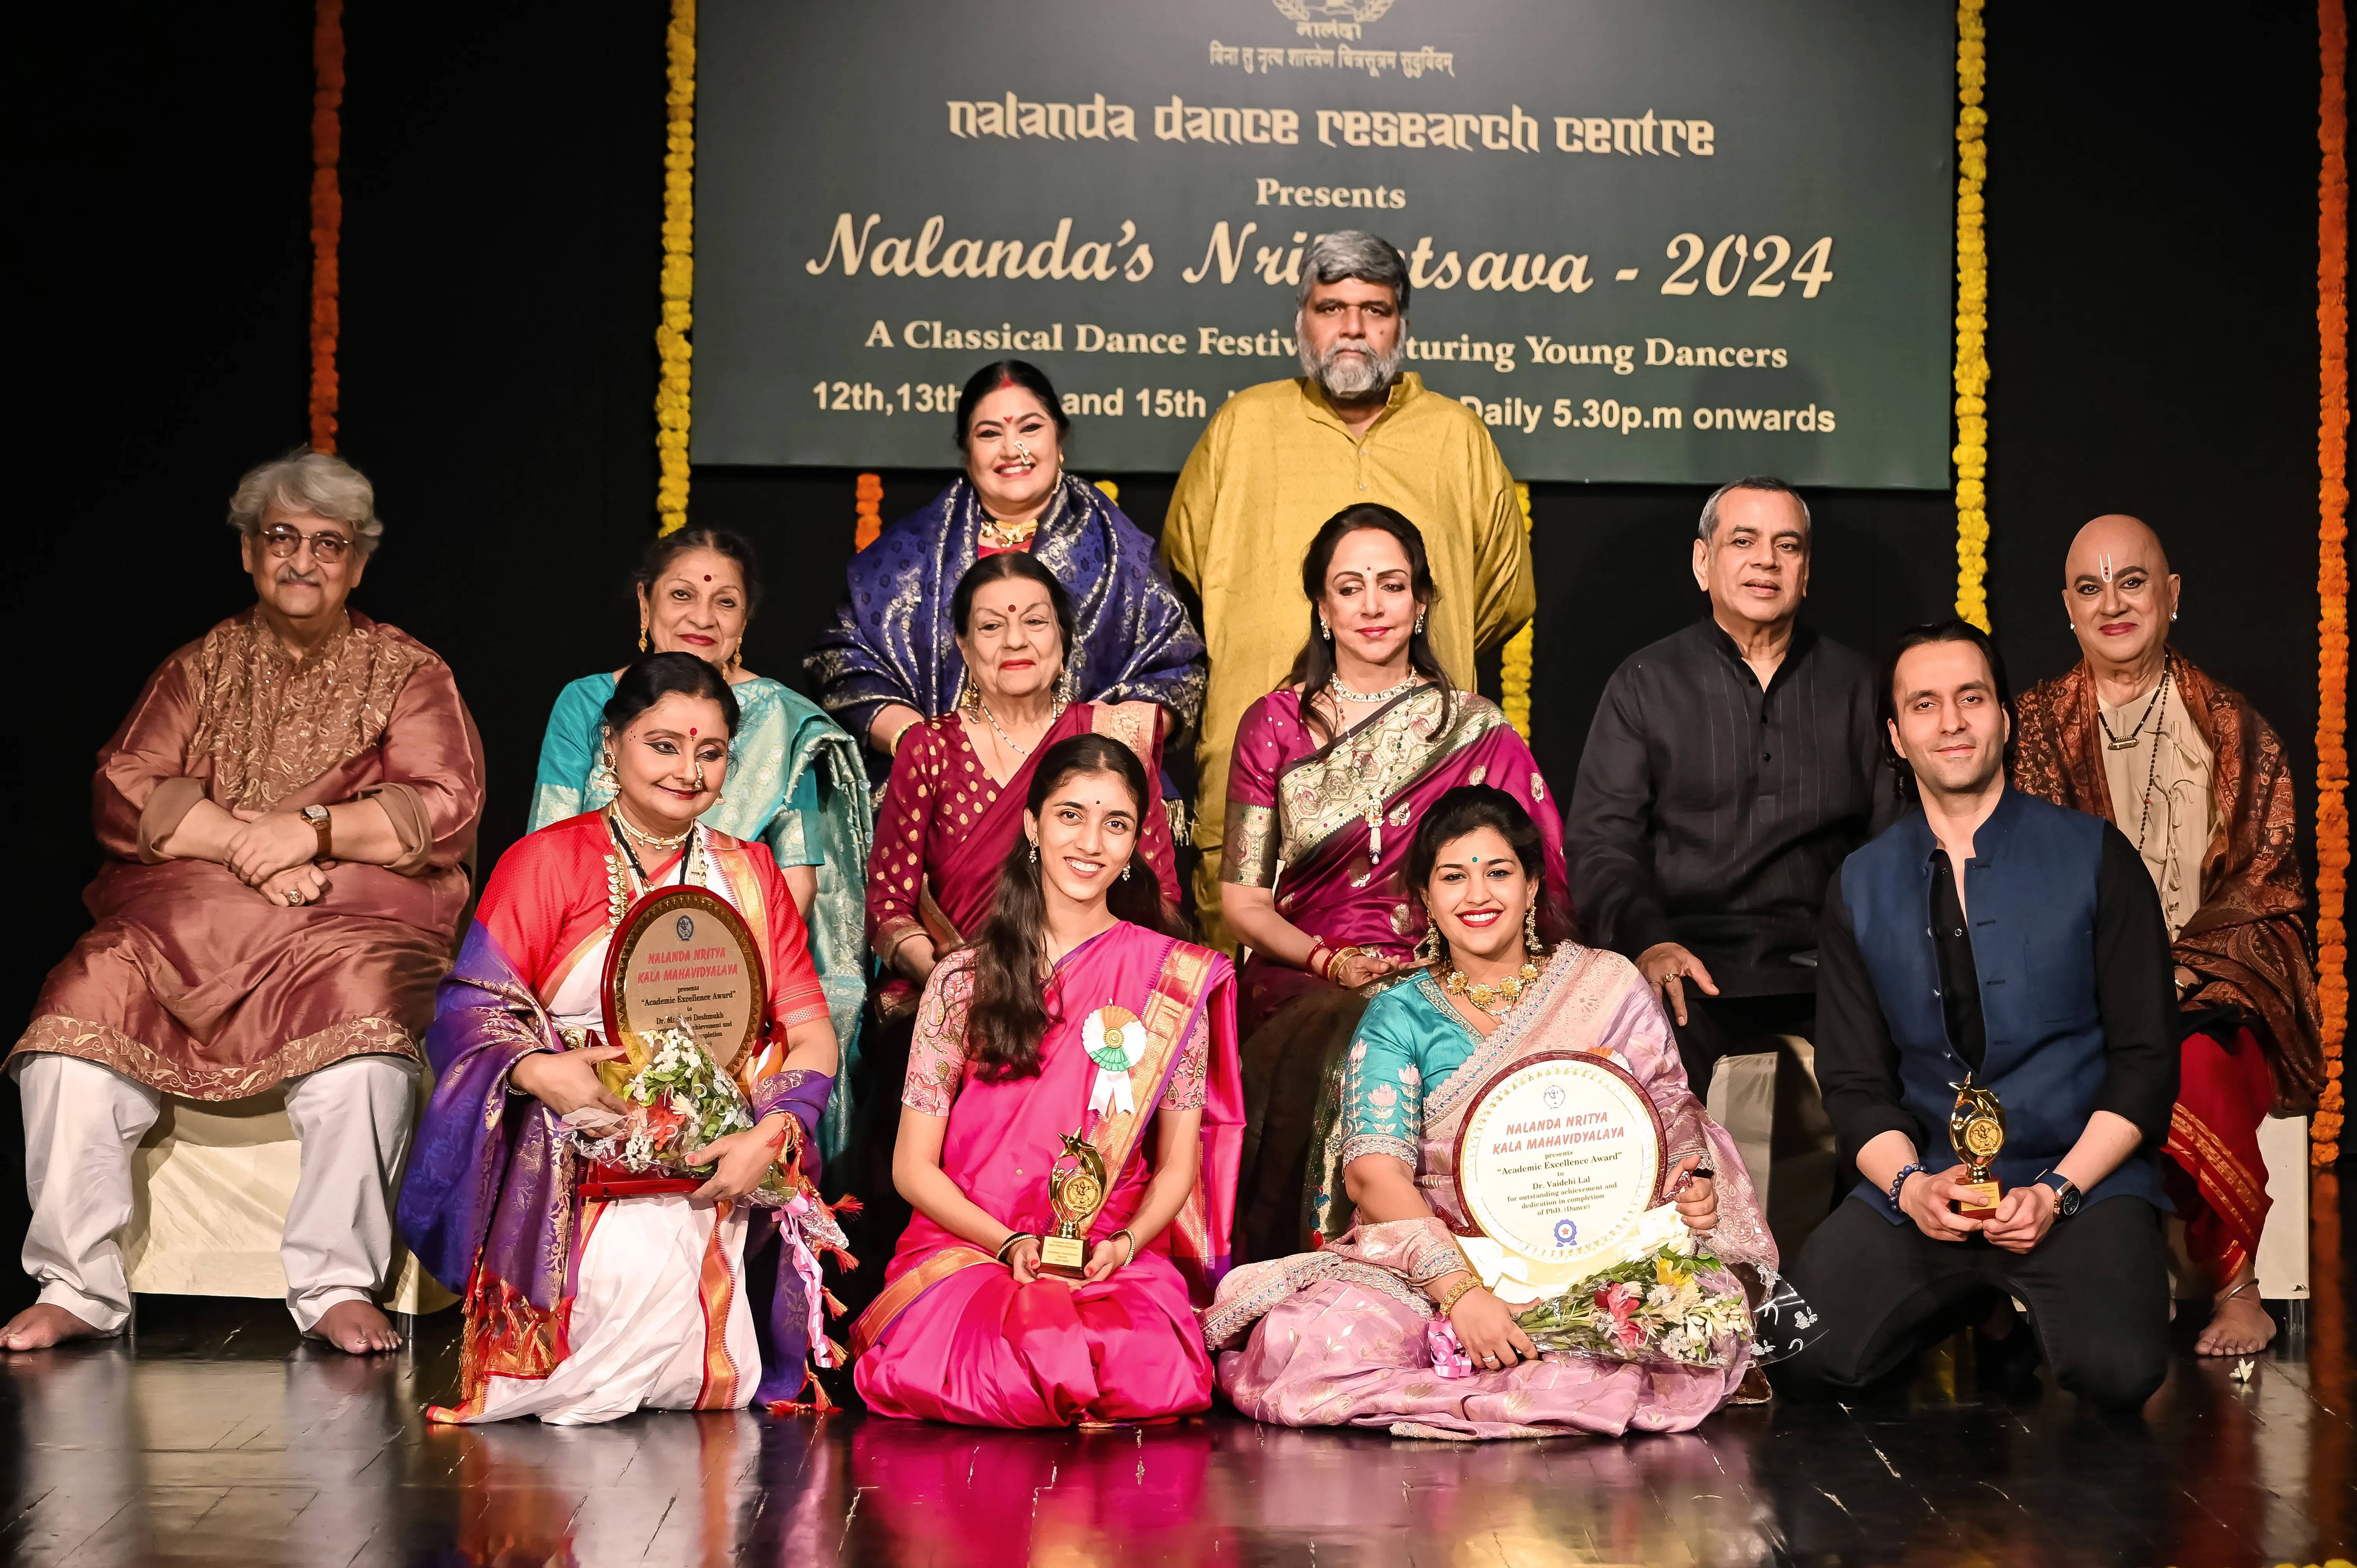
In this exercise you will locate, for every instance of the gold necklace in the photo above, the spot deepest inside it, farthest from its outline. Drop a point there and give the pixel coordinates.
(1495, 997)
(1009, 535)
(654, 840)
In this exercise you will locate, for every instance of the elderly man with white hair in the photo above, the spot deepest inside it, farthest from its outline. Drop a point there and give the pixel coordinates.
(1280, 458)
(285, 814)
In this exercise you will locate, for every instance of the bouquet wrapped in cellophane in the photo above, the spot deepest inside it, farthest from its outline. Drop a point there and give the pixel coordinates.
(679, 1100)
(1675, 1303)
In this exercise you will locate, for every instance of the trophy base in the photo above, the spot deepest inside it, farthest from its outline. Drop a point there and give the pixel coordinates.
(1981, 1200)
(1064, 1255)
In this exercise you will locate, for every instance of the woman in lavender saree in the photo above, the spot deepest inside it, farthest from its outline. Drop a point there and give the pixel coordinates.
(582, 1307)
(1339, 1337)
(1070, 1021)
(1331, 775)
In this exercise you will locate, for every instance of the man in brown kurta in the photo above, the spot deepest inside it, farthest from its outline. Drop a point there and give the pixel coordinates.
(286, 812)
(2197, 779)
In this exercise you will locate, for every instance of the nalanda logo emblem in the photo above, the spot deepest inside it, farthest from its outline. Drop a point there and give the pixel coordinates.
(685, 927)
(1359, 11)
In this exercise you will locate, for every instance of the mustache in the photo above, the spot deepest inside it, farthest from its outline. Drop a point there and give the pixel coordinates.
(288, 575)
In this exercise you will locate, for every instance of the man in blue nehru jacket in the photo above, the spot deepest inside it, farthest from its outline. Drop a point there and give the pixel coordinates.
(1990, 933)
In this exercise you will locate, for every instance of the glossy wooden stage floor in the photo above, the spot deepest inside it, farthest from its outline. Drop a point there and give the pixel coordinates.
(217, 1439)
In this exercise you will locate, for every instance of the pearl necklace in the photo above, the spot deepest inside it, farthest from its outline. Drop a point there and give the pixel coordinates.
(652, 841)
(1495, 997)
(1008, 740)
(1334, 684)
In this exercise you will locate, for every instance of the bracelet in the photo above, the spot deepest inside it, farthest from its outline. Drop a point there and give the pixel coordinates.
(1127, 1234)
(1471, 1281)
(901, 735)
(1341, 956)
(1320, 970)
(1012, 1237)
(1899, 1182)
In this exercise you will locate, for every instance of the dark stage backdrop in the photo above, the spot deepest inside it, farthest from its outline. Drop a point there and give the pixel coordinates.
(2153, 344)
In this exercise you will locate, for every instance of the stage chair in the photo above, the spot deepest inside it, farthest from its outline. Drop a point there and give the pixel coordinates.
(1770, 1103)
(211, 1184)
(2283, 1243)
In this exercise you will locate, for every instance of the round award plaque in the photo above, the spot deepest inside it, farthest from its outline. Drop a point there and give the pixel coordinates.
(1558, 1158)
(683, 958)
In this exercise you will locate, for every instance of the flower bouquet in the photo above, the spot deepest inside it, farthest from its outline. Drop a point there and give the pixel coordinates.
(679, 1100)
(1665, 1306)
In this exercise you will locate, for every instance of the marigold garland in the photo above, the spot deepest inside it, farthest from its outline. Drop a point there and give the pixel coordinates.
(2332, 572)
(678, 271)
(1514, 659)
(1112, 492)
(327, 215)
(1972, 374)
(869, 503)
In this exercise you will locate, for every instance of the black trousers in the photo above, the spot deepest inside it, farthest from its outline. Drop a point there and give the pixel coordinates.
(2096, 1287)
(1719, 1027)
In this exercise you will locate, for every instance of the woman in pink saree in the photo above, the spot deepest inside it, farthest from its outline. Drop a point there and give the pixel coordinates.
(1332, 772)
(1073, 1021)
(1339, 1337)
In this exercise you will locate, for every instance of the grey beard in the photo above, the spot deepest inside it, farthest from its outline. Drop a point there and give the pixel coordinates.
(1350, 376)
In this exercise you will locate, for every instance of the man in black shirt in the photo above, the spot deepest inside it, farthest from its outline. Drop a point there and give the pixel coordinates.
(1730, 768)
(1995, 940)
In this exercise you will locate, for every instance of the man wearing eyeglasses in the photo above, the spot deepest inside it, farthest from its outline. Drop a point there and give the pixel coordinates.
(285, 814)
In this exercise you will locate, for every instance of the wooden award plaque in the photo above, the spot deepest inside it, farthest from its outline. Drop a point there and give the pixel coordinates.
(1559, 1159)
(683, 958)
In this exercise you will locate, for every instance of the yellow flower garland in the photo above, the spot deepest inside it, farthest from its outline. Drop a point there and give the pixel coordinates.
(2333, 575)
(1514, 667)
(678, 272)
(1971, 455)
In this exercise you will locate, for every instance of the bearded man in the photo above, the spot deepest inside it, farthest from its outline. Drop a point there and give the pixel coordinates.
(2196, 779)
(286, 813)
(1280, 458)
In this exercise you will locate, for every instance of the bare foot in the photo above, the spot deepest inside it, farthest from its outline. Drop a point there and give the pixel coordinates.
(2239, 1326)
(40, 1326)
(357, 1329)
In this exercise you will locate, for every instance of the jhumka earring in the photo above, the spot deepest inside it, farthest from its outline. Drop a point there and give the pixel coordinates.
(642, 636)
(1428, 950)
(737, 655)
(1531, 930)
(604, 778)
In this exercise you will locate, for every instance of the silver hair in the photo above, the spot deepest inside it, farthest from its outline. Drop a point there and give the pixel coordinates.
(1354, 253)
(1764, 482)
(317, 483)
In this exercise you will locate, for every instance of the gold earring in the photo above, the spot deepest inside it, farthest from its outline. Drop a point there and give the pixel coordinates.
(737, 655)
(1419, 620)
(1531, 930)
(1035, 853)
(604, 778)
(1324, 630)
(1428, 950)
(642, 635)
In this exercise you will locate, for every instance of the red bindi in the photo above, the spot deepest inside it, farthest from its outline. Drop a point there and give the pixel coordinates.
(691, 734)
(707, 577)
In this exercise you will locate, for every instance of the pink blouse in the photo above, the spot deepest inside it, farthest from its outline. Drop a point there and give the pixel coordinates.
(937, 1060)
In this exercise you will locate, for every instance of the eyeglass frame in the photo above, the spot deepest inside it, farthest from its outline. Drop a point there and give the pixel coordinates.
(270, 538)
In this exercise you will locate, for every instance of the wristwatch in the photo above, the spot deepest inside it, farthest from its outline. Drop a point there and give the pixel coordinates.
(322, 824)
(2066, 1193)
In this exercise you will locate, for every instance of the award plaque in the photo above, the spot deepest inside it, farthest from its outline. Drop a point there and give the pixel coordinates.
(1075, 1192)
(1559, 1160)
(1976, 1131)
(682, 958)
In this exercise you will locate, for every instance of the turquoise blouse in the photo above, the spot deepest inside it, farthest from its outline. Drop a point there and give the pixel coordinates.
(795, 783)
(1409, 1043)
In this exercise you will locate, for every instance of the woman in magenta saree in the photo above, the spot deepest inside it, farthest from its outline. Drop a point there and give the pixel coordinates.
(1341, 1335)
(1331, 773)
(1127, 1045)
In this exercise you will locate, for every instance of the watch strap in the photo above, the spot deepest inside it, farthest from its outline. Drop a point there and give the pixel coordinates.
(323, 824)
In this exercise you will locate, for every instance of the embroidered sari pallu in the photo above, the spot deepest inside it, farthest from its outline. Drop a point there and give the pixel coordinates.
(581, 1308)
(1337, 1336)
(1329, 828)
(952, 1338)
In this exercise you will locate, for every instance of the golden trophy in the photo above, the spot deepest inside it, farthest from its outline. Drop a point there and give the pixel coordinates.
(1976, 1131)
(1075, 1192)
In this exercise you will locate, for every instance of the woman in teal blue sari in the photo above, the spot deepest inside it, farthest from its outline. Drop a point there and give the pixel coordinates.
(795, 781)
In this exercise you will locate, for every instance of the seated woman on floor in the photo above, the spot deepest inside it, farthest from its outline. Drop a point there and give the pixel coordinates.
(1337, 1336)
(580, 1309)
(1072, 1022)
(1332, 772)
(796, 783)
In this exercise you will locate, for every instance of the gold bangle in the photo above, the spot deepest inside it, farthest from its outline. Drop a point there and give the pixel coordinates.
(1442, 1307)
(1131, 1237)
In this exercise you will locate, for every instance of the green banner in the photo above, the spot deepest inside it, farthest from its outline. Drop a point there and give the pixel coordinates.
(1667, 243)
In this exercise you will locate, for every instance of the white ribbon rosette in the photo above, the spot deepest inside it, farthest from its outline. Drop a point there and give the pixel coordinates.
(1115, 1041)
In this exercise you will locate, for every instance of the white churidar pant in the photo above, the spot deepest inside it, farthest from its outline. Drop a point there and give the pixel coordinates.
(82, 1121)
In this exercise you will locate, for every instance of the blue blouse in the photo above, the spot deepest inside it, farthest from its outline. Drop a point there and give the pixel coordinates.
(1409, 1043)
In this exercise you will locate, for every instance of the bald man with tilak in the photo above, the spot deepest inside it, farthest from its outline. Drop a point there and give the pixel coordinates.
(2196, 778)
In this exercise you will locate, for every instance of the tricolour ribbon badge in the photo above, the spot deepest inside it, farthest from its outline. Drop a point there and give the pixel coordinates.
(1117, 1042)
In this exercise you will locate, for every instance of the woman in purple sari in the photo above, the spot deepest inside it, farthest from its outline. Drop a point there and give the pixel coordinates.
(1332, 772)
(1072, 1030)
(1344, 1336)
(892, 657)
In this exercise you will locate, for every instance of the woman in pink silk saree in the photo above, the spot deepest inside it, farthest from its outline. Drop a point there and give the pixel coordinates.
(1127, 1031)
(1337, 1336)
(1331, 774)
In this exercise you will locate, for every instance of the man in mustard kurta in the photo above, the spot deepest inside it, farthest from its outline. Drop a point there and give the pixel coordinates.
(1280, 458)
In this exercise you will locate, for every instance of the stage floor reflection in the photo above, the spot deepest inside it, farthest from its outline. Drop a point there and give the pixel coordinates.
(217, 1438)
